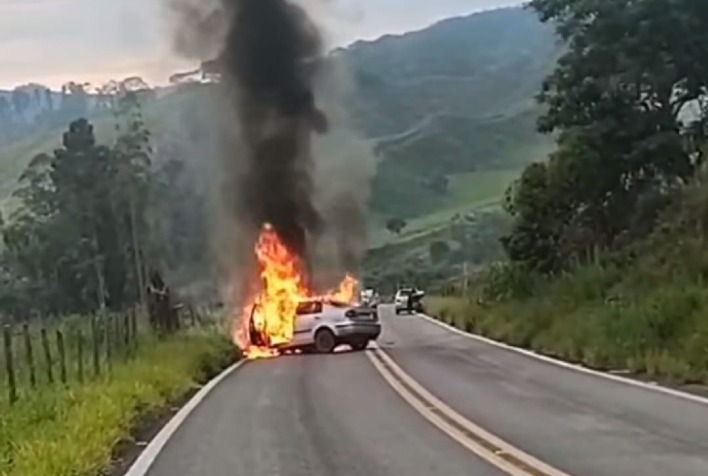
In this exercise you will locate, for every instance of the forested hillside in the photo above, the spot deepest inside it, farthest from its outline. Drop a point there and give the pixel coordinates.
(449, 111)
(606, 253)
(454, 98)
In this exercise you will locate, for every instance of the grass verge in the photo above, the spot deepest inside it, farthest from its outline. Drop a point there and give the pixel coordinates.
(647, 321)
(73, 432)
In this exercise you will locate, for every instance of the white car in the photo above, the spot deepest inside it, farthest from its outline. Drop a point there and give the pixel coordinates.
(400, 300)
(321, 326)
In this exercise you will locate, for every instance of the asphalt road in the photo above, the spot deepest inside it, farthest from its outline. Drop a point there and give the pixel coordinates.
(311, 416)
(335, 415)
(579, 423)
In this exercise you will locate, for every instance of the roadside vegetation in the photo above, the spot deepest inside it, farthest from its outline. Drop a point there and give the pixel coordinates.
(606, 259)
(92, 224)
(74, 430)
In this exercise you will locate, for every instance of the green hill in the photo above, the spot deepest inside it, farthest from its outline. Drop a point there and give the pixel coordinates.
(476, 67)
(455, 98)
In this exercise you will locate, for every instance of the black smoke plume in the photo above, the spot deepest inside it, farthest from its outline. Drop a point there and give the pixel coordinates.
(271, 56)
(274, 81)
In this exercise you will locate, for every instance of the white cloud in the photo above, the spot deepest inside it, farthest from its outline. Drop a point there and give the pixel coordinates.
(52, 41)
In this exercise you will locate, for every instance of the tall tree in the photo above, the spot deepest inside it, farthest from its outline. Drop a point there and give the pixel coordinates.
(75, 99)
(132, 171)
(628, 104)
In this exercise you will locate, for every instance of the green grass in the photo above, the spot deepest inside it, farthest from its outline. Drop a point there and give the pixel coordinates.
(111, 332)
(468, 192)
(73, 431)
(650, 318)
(643, 308)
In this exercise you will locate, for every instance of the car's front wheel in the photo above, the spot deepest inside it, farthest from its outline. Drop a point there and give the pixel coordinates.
(324, 341)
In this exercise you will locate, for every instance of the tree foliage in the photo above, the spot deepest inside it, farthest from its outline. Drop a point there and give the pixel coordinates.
(93, 220)
(627, 103)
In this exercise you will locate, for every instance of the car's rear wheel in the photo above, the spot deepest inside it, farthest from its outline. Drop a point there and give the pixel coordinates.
(324, 341)
(359, 344)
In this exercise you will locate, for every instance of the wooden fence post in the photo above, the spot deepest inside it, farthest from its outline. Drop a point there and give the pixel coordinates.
(117, 334)
(126, 334)
(96, 348)
(80, 354)
(107, 329)
(134, 327)
(47, 355)
(9, 365)
(62, 356)
(29, 355)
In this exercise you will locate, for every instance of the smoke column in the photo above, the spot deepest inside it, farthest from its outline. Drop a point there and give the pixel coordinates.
(271, 59)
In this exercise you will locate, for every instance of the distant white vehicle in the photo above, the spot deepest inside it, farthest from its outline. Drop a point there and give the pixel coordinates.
(321, 326)
(400, 300)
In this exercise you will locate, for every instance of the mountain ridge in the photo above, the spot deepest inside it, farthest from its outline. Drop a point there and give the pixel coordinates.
(455, 97)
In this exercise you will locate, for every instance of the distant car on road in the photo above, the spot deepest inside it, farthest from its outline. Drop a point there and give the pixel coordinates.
(321, 326)
(400, 300)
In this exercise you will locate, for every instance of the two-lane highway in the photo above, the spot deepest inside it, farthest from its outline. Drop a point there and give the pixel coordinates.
(337, 415)
(580, 423)
(313, 415)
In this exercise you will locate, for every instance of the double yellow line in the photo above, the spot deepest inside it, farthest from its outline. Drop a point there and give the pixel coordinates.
(487, 446)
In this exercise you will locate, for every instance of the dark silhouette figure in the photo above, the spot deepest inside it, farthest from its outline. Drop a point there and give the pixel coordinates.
(162, 314)
(411, 302)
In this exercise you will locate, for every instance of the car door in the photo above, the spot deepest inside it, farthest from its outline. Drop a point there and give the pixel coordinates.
(308, 315)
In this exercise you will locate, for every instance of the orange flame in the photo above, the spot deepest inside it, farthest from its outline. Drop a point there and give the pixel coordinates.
(346, 292)
(272, 310)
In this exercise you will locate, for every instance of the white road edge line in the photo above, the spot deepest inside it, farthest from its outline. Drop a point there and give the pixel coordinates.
(484, 453)
(578, 368)
(142, 465)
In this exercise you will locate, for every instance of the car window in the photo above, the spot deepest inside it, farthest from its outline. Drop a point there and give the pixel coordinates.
(309, 307)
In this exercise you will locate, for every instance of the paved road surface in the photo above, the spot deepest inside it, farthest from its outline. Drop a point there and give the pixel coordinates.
(579, 423)
(311, 416)
(335, 415)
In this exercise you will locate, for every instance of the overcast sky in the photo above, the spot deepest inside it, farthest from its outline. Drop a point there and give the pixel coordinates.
(53, 41)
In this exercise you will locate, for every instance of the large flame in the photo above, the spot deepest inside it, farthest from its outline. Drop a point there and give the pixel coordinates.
(271, 309)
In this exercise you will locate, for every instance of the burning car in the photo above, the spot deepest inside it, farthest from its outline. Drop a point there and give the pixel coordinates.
(323, 325)
(282, 311)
